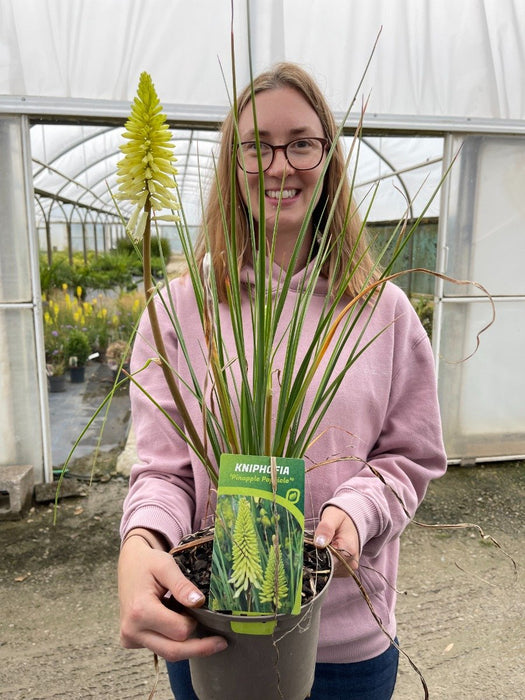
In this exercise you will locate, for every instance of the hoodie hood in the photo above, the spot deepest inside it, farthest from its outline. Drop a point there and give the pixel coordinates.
(277, 274)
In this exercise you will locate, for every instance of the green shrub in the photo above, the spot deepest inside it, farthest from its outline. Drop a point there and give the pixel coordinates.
(110, 270)
(57, 274)
(124, 245)
(77, 346)
(105, 271)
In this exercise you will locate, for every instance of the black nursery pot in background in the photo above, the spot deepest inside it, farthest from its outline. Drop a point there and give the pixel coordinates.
(77, 374)
(57, 383)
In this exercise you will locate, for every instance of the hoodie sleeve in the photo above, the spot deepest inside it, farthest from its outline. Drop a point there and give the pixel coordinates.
(162, 490)
(384, 495)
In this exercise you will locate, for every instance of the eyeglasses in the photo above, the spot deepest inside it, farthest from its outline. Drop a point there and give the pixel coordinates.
(301, 154)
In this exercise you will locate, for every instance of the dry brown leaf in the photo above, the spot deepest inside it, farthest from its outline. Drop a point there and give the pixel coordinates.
(19, 579)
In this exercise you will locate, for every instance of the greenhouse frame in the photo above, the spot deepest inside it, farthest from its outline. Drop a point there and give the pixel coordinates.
(445, 87)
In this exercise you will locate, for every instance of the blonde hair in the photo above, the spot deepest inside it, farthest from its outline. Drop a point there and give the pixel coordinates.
(345, 223)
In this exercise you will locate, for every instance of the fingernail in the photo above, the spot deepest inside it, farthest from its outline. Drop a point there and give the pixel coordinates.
(321, 540)
(194, 597)
(221, 645)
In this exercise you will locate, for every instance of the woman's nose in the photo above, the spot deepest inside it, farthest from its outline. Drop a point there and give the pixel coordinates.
(280, 164)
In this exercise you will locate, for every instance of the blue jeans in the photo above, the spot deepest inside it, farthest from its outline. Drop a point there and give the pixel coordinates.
(373, 679)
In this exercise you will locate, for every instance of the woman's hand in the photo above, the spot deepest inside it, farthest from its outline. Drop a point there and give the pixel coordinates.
(145, 574)
(338, 529)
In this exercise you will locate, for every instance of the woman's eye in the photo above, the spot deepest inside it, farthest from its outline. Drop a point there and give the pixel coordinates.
(250, 148)
(301, 144)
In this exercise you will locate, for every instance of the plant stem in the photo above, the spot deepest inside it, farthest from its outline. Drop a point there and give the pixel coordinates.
(149, 291)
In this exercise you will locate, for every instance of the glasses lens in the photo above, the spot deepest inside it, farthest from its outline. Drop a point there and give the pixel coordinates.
(305, 154)
(247, 156)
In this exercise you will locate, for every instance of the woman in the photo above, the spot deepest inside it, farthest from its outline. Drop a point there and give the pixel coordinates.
(385, 413)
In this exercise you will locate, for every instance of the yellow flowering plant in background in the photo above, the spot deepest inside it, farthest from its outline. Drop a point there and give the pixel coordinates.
(104, 319)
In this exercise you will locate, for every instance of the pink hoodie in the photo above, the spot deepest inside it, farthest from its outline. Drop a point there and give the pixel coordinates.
(385, 412)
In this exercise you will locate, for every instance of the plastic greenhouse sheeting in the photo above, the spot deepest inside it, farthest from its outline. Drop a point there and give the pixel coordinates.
(439, 59)
(68, 58)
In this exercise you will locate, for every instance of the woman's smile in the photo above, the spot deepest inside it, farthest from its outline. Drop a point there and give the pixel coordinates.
(281, 194)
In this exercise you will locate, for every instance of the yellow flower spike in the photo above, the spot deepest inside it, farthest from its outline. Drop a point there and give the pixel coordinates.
(79, 292)
(146, 173)
(64, 287)
(115, 320)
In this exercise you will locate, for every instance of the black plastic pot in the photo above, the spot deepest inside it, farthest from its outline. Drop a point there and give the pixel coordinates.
(57, 383)
(268, 657)
(78, 374)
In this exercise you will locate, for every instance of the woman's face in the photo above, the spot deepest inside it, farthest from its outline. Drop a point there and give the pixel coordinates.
(283, 115)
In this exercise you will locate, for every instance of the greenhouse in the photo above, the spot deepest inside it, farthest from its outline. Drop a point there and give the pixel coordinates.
(444, 92)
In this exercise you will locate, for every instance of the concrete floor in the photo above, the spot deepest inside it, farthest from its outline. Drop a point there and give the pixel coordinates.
(71, 411)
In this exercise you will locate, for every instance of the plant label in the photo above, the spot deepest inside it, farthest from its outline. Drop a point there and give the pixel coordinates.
(257, 565)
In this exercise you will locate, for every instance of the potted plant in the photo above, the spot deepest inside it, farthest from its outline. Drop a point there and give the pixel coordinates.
(56, 367)
(77, 351)
(249, 433)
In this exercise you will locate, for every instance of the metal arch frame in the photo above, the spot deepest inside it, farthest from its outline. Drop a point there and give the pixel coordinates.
(90, 188)
(73, 146)
(73, 177)
(395, 173)
(88, 213)
(68, 220)
(69, 179)
(36, 199)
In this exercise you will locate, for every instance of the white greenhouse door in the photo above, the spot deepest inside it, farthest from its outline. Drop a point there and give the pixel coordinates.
(482, 238)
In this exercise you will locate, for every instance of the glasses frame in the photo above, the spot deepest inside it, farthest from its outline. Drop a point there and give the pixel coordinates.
(281, 147)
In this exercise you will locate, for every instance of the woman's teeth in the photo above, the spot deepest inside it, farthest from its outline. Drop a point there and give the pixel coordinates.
(284, 194)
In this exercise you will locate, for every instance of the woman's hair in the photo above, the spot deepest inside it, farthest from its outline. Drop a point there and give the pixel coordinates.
(336, 202)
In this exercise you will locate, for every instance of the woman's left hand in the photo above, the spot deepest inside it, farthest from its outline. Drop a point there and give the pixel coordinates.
(338, 529)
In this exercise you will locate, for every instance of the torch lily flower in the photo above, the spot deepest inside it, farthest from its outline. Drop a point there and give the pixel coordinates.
(146, 173)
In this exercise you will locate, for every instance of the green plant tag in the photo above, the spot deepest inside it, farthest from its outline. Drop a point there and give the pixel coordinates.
(257, 565)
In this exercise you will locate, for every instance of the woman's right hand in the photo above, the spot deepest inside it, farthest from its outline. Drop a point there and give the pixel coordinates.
(145, 574)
